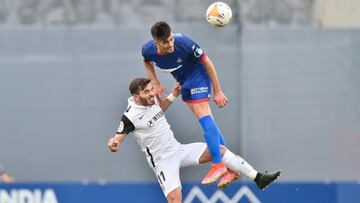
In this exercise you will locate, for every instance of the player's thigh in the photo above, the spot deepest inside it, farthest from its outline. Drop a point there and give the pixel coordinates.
(191, 153)
(200, 109)
(167, 174)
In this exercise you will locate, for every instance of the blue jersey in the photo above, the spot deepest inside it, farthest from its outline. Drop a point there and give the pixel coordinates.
(186, 59)
(185, 64)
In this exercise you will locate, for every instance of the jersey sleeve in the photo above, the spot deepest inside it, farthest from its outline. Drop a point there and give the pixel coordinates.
(125, 126)
(194, 50)
(145, 52)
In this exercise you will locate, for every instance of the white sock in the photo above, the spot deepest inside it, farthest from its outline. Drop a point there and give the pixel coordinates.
(238, 164)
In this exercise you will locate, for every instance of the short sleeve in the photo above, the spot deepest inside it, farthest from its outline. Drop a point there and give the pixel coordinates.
(125, 126)
(145, 52)
(195, 51)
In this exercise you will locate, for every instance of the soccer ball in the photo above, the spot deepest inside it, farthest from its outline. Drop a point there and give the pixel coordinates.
(219, 14)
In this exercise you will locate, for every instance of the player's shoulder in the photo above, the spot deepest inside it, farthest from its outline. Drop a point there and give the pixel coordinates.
(131, 113)
(183, 42)
(148, 46)
(180, 37)
(148, 49)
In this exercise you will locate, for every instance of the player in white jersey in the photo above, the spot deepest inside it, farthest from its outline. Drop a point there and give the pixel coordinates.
(145, 119)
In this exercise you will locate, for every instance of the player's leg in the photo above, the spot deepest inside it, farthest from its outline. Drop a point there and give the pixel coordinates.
(211, 132)
(221, 136)
(196, 93)
(240, 166)
(196, 153)
(167, 174)
(190, 154)
(175, 196)
(230, 176)
(212, 138)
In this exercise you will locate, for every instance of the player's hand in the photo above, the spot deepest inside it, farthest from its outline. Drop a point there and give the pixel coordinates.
(176, 89)
(7, 178)
(160, 90)
(113, 144)
(220, 99)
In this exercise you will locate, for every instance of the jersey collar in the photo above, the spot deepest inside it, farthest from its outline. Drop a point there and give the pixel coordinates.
(131, 101)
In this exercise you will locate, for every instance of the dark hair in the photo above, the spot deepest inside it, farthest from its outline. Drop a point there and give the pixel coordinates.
(161, 30)
(138, 84)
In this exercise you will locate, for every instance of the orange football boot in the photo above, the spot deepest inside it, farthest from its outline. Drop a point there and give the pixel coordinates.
(217, 170)
(228, 178)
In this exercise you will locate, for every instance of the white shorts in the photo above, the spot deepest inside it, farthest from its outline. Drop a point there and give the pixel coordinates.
(167, 171)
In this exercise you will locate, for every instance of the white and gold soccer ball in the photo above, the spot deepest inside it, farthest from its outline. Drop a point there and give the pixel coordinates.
(219, 14)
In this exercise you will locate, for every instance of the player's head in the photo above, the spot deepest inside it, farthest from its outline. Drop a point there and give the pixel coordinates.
(163, 37)
(142, 91)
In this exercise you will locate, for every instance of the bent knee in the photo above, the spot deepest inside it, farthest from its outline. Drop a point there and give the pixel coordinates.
(174, 196)
(223, 149)
(174, 199)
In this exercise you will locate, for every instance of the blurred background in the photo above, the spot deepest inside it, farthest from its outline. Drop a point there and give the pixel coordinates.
(290, 68)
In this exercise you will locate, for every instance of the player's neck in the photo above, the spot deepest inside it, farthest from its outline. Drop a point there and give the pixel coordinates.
(159, 52)
(139, 103)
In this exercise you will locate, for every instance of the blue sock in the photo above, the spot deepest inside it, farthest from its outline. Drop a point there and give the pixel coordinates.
(221, 137)
(212, 138)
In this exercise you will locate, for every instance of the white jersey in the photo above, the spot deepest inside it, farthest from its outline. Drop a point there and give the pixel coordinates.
(151, 130)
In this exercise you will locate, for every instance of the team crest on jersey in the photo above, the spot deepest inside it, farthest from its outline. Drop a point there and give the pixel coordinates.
(179, 60)
(198, 52)
(121, 127)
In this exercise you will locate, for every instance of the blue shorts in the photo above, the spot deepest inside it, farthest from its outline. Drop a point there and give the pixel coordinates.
(197, 88)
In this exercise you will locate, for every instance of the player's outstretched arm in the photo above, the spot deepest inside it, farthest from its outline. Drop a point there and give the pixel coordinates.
(6, 178)
(219, 97)
(158, 87)
(164, 104)
(115, 142)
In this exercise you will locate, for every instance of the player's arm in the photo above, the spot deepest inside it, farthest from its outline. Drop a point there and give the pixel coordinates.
(125, 127)
(159, 88)
(151, 72)
(164, 104)
(4, 177)
(115, 142)
(219, 97)
(198, 55)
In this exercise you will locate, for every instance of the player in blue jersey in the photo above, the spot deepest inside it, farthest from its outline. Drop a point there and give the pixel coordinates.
(193, 69)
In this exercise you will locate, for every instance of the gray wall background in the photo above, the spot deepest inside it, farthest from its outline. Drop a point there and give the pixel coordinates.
(141, 12)
(294, 101)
